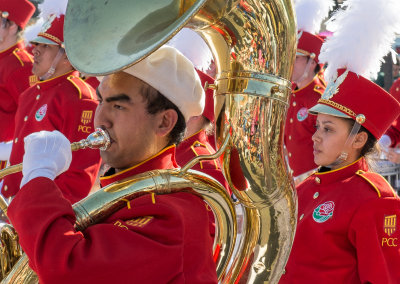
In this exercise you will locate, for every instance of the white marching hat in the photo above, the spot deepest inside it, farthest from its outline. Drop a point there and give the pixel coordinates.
(174, 76)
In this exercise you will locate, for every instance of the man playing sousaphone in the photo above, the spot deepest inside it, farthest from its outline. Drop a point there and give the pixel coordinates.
(154, 238)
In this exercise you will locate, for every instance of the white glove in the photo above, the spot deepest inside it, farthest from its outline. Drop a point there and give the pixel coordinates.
(5, 150)
(47, 154)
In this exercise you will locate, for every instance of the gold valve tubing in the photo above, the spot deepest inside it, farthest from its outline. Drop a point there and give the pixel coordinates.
(197, 159)
(18, 168)
(3, 205)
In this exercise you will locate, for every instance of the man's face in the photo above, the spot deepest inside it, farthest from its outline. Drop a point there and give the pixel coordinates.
(299, 67)
(122, 111)
(43, 56)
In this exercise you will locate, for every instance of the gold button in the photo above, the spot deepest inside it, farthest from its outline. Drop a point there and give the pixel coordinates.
(294, 104)
(316, 195)
(284, 271)
(16, 140)
(37, 97)
(302, 216)
(290, 137)
(25, 118)
(318, 180)
(290, 154)
(38, 87)
(5, 188)
(291, 120)
(397, 89)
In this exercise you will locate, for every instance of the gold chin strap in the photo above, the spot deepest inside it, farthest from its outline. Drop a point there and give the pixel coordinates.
(350, 139)
(306, 71)
(52, 69)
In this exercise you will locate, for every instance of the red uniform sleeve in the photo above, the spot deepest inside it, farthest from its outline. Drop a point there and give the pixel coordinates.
(123, 249)
(10, 91)
(375, 233)
(76, 124)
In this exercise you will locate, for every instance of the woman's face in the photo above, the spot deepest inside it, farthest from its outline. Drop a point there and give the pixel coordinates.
(330, 139)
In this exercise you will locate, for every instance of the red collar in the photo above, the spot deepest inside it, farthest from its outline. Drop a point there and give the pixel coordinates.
(309, 87)
(10, 50)
(48, 84)
(200, 136)
(162, 160)
(341, 173)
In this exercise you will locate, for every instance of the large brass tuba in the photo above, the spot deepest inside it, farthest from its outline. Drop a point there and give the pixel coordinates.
(253, 43)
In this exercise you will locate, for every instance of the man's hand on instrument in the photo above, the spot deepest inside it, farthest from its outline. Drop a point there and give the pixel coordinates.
(47, 154)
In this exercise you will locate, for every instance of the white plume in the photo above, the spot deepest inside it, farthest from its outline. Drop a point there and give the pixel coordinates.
(363, 34)
(193, 46)
(53, 7)
(31, 31)
(311, 13)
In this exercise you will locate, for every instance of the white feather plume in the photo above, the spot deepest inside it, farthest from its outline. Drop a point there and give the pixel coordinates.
(31, 32)
(311, 13)
(53, 7)
(193, 46)
(363, 34)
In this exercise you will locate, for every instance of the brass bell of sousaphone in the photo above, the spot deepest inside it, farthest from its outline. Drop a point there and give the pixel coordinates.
(253, 43)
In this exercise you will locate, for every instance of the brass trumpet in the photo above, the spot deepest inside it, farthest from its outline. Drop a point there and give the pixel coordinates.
(97, 140)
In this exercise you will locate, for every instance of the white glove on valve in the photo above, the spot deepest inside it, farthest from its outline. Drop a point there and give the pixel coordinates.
(47, 154)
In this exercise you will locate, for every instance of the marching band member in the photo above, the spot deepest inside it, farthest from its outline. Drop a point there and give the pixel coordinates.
(154, 238)
(15, 67)
(59, 101)
(200, 129)
(308, 86)
(348, 226)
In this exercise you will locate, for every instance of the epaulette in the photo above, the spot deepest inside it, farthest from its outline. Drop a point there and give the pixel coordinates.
(378, 183)
(22, 55)
(198, 149)
(81, 86)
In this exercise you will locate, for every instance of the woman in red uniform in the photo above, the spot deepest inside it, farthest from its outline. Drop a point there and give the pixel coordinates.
(348, 216)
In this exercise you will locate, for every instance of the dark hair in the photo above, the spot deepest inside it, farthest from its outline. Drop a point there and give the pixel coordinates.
(157, 102)
(317, 69)
(370, 148)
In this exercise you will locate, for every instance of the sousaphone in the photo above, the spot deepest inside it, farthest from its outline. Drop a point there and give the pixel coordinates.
(253, 43)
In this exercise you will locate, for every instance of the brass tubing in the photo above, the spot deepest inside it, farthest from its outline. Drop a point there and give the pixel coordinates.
(96, 140)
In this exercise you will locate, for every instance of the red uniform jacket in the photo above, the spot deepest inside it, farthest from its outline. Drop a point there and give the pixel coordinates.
(92, 81)
(153, 239)
(300, 126)
(197, 145)
(15, 77)
(348, 229)
(66, 104)
(394, 131)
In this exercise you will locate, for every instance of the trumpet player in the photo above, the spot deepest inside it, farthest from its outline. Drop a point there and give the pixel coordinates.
(59, 101)
(154, 238)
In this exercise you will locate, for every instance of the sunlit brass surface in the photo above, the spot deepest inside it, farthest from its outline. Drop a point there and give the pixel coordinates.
(253, 43)
(103, 203)
(96, 140)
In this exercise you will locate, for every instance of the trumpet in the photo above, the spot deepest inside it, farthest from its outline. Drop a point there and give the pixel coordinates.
(96, 140)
